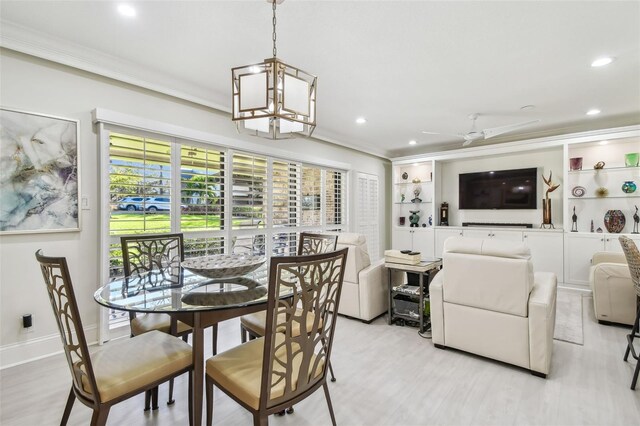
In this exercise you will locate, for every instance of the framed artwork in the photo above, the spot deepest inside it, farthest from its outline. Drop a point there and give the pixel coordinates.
(39, 175)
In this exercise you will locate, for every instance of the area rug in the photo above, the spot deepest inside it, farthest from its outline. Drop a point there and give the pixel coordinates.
(569, 317)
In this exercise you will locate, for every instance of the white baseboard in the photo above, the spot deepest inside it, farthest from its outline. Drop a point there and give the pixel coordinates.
(42, 347)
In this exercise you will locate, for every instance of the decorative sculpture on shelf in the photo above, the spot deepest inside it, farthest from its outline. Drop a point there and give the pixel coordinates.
(402, 197)
(592, 228)
(416, 193)
(636, 219)
(546, 203)
(574, 219)
(414, 218)
(599, 165)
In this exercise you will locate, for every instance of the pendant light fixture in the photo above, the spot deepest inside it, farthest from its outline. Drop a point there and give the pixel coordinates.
(272, 99)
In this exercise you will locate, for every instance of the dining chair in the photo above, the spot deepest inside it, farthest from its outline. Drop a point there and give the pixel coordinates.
(273, 372)
(633, 260)
(253, 325)
(119, 370)
(154, 254)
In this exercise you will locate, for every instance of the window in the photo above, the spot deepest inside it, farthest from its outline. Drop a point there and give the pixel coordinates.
(248, 200)
(161, 186)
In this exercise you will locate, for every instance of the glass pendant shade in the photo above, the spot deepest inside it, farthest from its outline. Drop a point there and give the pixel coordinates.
(274, 100)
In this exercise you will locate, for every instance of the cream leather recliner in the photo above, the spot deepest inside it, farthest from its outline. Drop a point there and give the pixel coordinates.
(614, 298)
(365, 287)
(488, 301)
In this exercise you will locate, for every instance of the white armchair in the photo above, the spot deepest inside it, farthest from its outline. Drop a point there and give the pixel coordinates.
(488, 301)
(614, 298)
(364, 289)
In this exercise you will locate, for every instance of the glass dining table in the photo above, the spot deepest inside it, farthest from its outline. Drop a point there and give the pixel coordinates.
(193, 299)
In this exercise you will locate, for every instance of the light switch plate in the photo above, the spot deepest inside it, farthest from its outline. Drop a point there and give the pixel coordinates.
(84, 203)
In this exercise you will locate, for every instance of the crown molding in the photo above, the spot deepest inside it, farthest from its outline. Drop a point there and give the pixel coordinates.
(32, 42)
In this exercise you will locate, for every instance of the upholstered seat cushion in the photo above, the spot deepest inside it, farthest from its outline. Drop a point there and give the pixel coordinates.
(130, 364)
(239, 370)
(162, 322)
(256, 322)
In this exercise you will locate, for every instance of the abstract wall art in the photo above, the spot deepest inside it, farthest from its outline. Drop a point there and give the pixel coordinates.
(39, 176)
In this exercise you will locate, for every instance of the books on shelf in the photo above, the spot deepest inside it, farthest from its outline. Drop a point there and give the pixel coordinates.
(396, 256)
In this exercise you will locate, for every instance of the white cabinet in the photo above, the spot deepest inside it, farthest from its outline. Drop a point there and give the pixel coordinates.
(580, 250)
(416, 239)
(547, 251)
(441, 235)
(499, 234)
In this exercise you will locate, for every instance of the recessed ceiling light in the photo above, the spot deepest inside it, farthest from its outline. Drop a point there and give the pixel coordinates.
(126, 10)
(601, 62)
(603, 142)
(593, 111)
(361, 120)
(412, 142)
(415, 164)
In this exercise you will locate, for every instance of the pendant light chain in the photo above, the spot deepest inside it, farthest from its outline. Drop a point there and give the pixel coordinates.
(275, 51)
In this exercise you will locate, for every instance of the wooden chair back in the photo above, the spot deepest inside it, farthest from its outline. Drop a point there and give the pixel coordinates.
(65, 309)
(316, 283)
(316, 243)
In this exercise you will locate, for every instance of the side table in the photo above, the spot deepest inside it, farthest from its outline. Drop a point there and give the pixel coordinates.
(425, 269)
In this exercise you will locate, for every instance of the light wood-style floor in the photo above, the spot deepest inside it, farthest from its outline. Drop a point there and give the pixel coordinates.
(387, 375)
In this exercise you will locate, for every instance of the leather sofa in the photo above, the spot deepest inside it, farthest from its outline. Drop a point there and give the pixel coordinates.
(365, 287)
(488, 301)
(614, 297)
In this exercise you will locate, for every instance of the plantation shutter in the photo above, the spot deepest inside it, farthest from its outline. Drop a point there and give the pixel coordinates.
(311, 196)
(367, 212)
(335, 201)
(248, 200)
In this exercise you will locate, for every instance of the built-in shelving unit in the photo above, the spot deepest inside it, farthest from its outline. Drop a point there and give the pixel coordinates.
(566, 253)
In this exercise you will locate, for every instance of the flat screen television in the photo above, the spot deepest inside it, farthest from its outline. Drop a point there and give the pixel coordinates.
(499, 189)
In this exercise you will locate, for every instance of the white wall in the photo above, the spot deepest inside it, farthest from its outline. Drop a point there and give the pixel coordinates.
(36, 85)
(545, 160)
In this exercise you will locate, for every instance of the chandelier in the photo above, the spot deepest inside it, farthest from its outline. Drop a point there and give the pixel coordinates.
(272, 99)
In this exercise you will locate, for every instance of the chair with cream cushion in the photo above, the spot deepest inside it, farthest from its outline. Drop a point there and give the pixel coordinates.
(254, 325)
(614, 298)
(488, 301)
(365, 293)
(270, 373)
(119, 370)
(153, 254)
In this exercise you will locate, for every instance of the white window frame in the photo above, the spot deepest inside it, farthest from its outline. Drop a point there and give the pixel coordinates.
(108, 122)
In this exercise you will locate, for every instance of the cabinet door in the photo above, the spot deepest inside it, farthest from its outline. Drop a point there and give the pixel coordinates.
(547, 252)
(423, 242)
(478, 233)
(506, 235)
(580, 250)
(402, 239)
(441, 235)
(611, 242)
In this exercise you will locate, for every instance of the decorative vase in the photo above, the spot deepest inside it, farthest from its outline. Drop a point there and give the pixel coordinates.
(405, 176)
(546, 214)
(401, 220)
(414, 218)
(614, 221)
(575, 163)
(631, 159)
(629, 187)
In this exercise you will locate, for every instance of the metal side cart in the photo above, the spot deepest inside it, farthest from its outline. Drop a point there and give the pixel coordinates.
(409, 302)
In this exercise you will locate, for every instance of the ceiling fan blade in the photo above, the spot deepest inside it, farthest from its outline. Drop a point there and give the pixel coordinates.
(495, 131)
(458, 135)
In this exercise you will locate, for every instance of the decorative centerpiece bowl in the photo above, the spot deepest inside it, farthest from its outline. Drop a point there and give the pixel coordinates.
(223, 265)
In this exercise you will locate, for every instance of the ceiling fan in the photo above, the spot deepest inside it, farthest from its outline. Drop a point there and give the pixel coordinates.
(474, 135)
